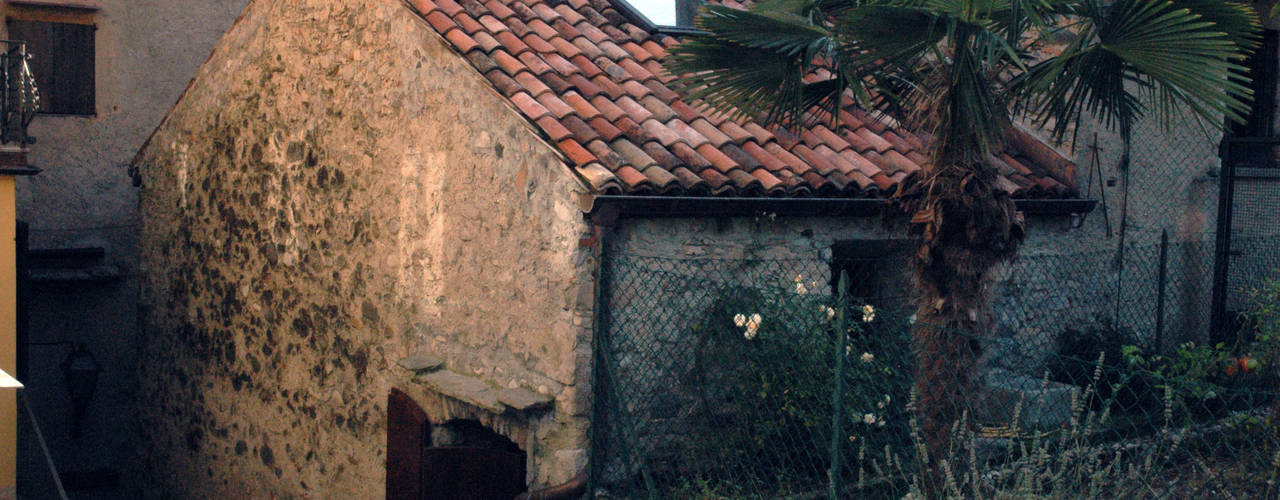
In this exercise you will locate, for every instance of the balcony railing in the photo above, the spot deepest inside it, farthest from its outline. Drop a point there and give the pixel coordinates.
(19, 97)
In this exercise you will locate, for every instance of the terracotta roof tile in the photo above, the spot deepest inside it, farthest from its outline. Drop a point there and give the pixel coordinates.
(581, 106)
(576, 152)
(557, 84)
(553, 103)
(710, 131)
(612, 50)
(635, 89)
(440, 21)
(610, 110)
(507, 62)
(606, 154)
(607, 85)
(447, 6)
(498, 9)
(559, 63)
(512, 42)
(543, 30)
(717, 158)
(552, 127)
(482, 62)
(529, 106)
(583, 85)
(461, 40)
(532, 83)
(604, 128)
(592, 82)
(569, 14)
(470, 24)
(660, 132)
(633, 109)
(689, 156)
(579, 128)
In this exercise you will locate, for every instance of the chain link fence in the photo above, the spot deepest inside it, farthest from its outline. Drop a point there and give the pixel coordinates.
(760, 379)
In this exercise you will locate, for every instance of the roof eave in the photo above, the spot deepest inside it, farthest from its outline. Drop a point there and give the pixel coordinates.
(680, 206)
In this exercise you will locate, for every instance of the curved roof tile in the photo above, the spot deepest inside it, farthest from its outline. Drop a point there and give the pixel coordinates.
(592, 82)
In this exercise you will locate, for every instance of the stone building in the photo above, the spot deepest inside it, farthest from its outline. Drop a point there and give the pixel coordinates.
(108, 70)
(359, 199)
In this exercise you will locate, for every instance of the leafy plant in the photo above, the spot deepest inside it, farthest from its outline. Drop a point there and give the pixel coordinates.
(959, 71)
(765, 367)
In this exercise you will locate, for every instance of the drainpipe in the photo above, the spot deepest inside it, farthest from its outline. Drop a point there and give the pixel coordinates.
(603, 222)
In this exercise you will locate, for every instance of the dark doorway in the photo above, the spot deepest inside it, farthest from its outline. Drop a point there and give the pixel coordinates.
(459, 459)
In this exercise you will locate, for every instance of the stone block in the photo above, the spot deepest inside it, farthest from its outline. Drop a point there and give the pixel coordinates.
(1045, 405)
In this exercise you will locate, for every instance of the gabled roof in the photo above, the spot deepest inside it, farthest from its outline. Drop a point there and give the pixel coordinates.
(591, 80)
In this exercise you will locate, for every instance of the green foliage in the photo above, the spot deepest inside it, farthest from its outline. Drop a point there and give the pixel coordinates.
(958, 68)
(1263, 320)
(765, 367)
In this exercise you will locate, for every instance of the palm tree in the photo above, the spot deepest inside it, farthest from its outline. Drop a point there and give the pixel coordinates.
(960, 72)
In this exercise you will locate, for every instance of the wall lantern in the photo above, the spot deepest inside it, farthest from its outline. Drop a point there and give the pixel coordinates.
(81, 372)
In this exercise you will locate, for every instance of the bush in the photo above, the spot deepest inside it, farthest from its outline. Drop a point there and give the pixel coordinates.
(764, 369)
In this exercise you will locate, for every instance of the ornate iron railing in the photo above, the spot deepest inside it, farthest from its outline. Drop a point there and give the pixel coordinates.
(19, 97)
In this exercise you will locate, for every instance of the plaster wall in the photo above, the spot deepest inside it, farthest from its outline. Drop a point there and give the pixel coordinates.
(145, 53)
(337, 191)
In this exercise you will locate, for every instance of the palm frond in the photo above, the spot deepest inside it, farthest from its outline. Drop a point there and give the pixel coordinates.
(1135, 51)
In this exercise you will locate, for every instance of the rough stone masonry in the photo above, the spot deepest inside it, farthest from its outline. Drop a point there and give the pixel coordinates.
(337, 191)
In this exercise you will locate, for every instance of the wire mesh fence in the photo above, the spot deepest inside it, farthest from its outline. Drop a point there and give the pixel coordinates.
(761, 379)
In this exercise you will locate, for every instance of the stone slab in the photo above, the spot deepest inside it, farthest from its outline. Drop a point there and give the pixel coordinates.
(520, 399)
(421, 363)
(469, 390)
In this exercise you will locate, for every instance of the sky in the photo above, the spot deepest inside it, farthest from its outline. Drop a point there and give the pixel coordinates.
(659, 12)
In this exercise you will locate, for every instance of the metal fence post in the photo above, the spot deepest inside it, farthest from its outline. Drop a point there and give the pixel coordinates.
(1222, 245)
(1160, 288)
(833, 474)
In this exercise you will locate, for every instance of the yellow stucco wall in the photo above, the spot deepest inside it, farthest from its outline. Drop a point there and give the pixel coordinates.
(8, 334)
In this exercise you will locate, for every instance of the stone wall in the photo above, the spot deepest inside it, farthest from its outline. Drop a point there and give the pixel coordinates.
(338, 191)
(146, 52)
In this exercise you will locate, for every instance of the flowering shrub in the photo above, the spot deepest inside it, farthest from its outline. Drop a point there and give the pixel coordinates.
(765, 371)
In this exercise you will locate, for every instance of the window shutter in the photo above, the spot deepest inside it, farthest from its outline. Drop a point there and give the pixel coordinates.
(73, 51)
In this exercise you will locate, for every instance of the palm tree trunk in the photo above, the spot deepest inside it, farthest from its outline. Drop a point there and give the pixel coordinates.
(967, 227)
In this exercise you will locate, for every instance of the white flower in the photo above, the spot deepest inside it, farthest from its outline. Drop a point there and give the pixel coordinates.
(868, 357)
(911, 320)
(831, 312)
(880, 404)
(868, 419)
(868, 313)
(880, 423)
(826, 311)
(739, 319)
(753, 325)
(887, 398)
(800, 289)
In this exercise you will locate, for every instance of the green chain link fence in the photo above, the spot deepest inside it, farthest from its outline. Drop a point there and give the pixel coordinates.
(730, 379)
